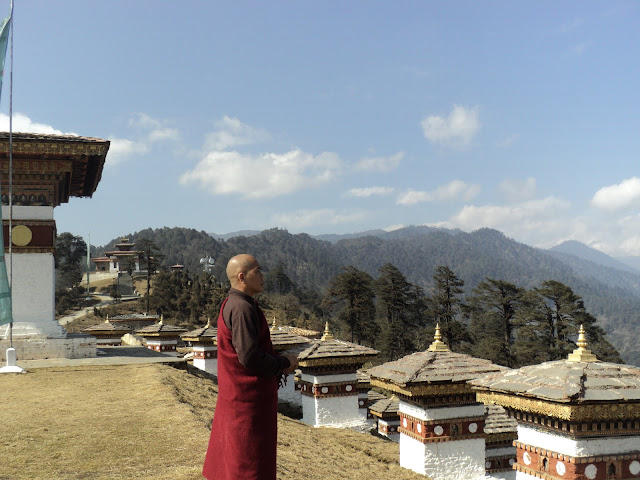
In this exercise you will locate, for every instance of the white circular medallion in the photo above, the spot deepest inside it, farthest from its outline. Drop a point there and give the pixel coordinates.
(511, 461)
(325, 389)
(591, 471)
(634, 467)
(348, 388)
(560, 468)
(526, 458)
(438, 430)
(404, 422)
(487, 465)
(473, 427)
(419, 426)
(361, 403)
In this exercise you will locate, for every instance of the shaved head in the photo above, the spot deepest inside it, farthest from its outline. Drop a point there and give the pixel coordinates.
(242, 271)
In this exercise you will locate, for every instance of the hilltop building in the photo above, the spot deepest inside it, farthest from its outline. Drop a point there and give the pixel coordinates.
(116, 260)
(47, 171)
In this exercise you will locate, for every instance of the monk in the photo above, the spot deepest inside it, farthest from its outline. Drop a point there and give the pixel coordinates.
(243, 438)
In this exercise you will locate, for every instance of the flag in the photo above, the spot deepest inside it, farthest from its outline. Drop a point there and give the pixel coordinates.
(4, 41)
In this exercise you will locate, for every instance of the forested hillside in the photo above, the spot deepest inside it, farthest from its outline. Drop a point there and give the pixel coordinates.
(416, 252)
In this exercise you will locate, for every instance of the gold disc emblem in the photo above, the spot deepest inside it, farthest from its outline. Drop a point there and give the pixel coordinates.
(21, 235)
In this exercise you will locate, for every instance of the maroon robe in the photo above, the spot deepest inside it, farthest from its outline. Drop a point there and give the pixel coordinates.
(243, 438)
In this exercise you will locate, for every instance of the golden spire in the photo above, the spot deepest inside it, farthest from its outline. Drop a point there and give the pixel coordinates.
(161, 319)
(107, 320)
(274, 324)
(581, 354)
(327, 334)
(208, 325)
(438, 345)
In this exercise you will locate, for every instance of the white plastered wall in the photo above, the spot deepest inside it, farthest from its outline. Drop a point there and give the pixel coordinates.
(583, 447)
(331, 411)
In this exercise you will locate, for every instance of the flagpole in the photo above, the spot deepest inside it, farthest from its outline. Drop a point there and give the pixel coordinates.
(11, 171)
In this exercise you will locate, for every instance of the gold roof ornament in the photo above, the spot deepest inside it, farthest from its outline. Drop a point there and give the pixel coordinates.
(161, 322)
(581, 354)
(438, 345)
(208, 325)
(327, 334)
(274, 324)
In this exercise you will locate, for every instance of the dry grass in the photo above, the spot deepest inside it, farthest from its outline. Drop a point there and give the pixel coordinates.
(152, 421)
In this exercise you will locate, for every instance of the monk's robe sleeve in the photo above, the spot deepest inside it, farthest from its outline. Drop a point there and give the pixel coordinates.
(245, 338)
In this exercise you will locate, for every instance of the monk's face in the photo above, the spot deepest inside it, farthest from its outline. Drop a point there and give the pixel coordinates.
(253, 279)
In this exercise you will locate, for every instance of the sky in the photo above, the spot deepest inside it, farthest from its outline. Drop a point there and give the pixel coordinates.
(340, 117)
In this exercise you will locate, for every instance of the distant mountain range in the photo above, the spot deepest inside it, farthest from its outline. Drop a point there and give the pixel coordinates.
(609, 287)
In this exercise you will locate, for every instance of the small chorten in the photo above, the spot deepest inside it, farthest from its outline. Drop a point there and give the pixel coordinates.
(161, 337)
(578, 418)
(204, 343)
(441, 422)
(107, 334)
(329, 382)
(386, 411)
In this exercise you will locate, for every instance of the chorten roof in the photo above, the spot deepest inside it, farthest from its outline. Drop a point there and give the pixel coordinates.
(282, 340)
(425, 373)
(386, 407)
(206, 334)
(329, 351)
(107, 327)
(160, 329)
(373, 396)
(567, 389)
(497, 421)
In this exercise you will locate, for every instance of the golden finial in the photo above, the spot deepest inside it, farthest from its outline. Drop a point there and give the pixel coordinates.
(327, 334)
(162, 319)
(208, 325)
(438, 345)
(274, 324)
(107, 320)
(581, 354)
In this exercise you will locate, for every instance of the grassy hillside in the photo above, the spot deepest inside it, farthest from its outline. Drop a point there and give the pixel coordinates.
(152, 422)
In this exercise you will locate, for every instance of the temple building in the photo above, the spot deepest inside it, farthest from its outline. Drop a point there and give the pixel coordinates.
(47, 171)
(107, 334)
(161, 337)
(329, 382)
(204, 344)
(441, 421)
(116, 260)
(578, 418)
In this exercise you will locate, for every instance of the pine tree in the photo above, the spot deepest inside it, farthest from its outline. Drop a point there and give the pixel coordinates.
(446, 304)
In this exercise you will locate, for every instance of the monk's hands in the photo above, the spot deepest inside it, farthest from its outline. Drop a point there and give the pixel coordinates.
(293, 360)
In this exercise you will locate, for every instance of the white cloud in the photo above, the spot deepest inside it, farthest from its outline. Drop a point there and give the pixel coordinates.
(516, 190)
(534, 222)
(310, 218)
(452, 191)
(369, 191)
(121, 148)
(154, 129)
(261, 176)
(616, 197)
(508, 141)
(456, 130)
(231, 132)
(379, 164)
(22, 123)
(392, 228)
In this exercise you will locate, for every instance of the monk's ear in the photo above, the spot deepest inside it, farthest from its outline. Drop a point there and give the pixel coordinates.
(241, 277)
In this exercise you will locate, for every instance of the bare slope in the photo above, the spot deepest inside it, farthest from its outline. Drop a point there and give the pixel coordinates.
(152, 421)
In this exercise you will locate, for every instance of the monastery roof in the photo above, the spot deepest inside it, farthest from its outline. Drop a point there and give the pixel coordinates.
(329, 351)
(386, 406)
(497, 421)
(303, 332)
(363, 378)
(106, 327)
(37, 154)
